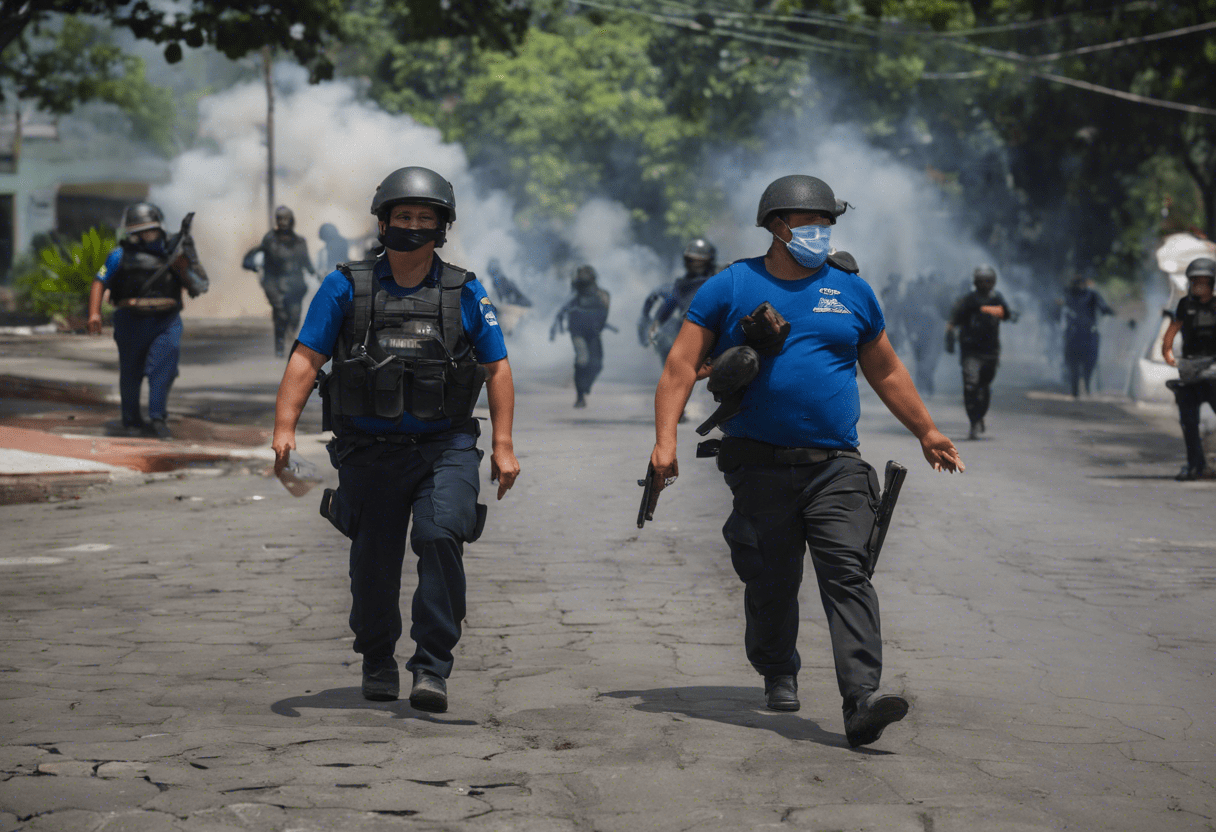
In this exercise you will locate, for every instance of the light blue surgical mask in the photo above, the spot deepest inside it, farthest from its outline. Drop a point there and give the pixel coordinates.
(810, 245)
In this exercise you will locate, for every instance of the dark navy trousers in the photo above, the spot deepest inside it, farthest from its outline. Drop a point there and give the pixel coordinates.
(780, 510)
(1190, 398)
(148, 346)
(380, 487)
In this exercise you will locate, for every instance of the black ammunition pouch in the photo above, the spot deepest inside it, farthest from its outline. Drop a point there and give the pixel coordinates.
(369, 380)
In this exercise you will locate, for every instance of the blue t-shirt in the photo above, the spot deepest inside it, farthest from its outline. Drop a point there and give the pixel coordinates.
(805, 397)
(329, 305)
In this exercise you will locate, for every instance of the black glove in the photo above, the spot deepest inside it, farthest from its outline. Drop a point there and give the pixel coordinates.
(765, 330)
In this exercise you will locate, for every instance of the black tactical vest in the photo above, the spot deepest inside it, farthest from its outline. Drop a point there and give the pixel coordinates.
(134, 277)
(403, 355)
(1198, 322)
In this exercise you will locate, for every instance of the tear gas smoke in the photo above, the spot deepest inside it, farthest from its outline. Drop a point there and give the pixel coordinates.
(332, 149)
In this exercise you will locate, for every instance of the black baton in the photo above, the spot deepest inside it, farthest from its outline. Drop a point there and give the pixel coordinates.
(893, 481)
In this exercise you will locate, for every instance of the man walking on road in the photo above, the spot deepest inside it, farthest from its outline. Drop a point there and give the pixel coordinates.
(585, 314)
(1082, 344)
(412, 339)
(1195, 318)
(976, 319)
(284, 261)
(790, 456)
(145, 277)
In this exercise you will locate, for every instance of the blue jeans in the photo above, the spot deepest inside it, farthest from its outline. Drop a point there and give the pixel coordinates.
(148, 345)
(380, 487)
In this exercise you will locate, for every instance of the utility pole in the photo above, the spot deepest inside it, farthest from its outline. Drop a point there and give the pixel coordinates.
(266, 62)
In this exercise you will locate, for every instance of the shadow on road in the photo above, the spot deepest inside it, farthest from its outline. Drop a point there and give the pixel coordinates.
(732, 706)
(351, 699)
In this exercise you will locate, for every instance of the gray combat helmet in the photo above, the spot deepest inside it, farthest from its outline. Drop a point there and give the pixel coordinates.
(984, 274)
(142, 216)
(797, 193)
(415, 185)
(700, 249)
(284, 218)
(1203, 267)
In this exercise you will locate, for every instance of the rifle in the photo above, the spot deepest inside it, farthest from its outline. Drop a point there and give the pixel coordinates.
(893, 481)
(646, 510)
(195, 285)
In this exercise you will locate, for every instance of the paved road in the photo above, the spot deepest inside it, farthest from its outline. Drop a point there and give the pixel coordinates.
(175, 654)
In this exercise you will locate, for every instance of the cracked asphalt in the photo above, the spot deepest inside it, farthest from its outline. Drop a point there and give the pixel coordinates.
(175, 652)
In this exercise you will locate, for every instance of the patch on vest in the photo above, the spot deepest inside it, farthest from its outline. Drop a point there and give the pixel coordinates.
(827, 291)
(831, 305)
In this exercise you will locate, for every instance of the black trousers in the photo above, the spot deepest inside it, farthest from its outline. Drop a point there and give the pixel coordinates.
(978, 372)
(1081, 351)
(780, 510)
(588, 361)
(1190, 398)
(286, 295)
(380, 488)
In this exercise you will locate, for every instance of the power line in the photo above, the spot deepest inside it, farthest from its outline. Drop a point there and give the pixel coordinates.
(1114, 44)
(1126, 96)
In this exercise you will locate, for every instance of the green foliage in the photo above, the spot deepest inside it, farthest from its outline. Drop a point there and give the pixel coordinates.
(61, 282)
(79, 62)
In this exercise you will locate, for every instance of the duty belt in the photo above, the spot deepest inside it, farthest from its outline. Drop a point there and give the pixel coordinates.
(734, 451)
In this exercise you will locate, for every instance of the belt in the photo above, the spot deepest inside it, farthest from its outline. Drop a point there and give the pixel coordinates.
(735, 451)
(150, 304)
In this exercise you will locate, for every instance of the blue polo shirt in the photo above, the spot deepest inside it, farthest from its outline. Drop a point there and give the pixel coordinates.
(329, 306)
(805, 397)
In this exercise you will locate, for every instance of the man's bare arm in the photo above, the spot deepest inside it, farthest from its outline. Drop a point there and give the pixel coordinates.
(95, 292)
(1167, 343)
(500, 391)
(294, 389)
(893, 384)
(686, 357)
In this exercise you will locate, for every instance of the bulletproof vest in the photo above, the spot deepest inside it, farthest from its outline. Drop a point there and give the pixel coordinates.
(133, 279)
(398, 355)
(283, 254)
(1198, 322)
(588, 312)
(981, 332)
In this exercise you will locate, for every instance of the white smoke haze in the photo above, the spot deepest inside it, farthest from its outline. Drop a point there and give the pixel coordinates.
(332, 149)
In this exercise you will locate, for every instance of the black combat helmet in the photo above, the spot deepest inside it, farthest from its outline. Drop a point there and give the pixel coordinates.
(284, 219)
(142, 216)
(1203, 267)
(984, 274)
(585, 276)
(416, 185)
(797, 193)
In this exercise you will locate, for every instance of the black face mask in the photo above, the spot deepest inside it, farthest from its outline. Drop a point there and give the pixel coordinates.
(410, 239)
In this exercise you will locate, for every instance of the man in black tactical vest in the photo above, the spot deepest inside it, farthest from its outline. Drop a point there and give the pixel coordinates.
(284, 261)
(145, 277)
(976, 319)
(413, 339)
(1195, 318)
(585, 314)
